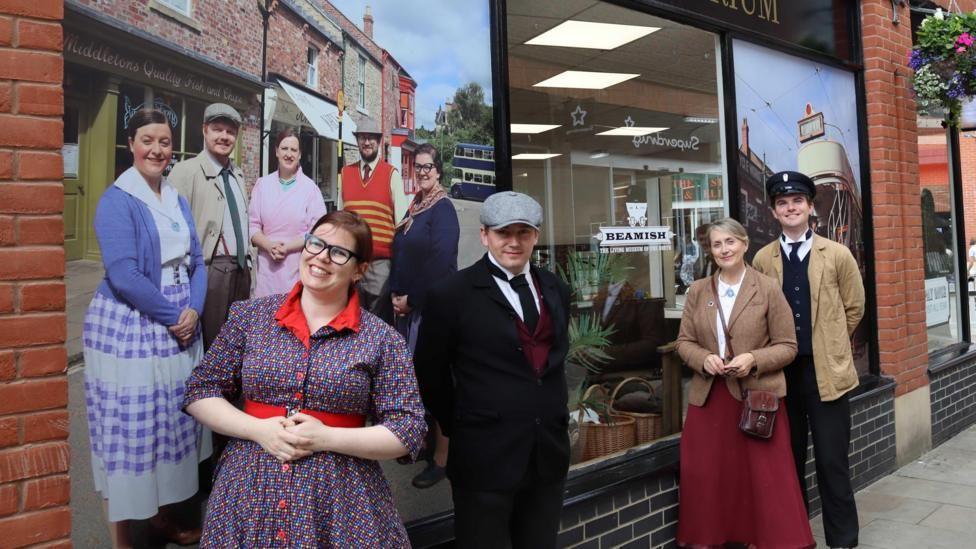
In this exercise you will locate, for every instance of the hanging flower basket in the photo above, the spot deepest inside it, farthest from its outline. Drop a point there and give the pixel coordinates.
(944, 60)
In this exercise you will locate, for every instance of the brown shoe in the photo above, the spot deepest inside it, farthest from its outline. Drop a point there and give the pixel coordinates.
(174, 532)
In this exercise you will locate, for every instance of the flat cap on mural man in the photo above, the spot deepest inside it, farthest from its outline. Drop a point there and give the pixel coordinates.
(490, 362)
(215, 190)
(824, 288)
(373, 188)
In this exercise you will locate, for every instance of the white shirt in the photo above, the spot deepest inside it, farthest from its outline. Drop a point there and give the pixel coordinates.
(805, 246)
(726, 302)
(228, 226)
(613, 291)
(174, 233)
(509, 292)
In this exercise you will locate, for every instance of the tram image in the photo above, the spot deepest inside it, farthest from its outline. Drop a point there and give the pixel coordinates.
(474, 171)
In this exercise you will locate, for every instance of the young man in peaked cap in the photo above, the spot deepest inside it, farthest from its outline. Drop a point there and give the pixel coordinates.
(823, 286)
(490, 362)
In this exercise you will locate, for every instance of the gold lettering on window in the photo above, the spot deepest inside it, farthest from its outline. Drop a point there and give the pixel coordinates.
(767, 10)
(762, 9)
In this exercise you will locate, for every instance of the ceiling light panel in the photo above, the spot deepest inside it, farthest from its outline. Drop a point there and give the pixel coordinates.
(588, 34)
(632, 131)
(535, 156)
(533, 128)
(585, 80)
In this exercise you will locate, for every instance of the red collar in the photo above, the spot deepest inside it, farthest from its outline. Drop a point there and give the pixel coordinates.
(291, 317)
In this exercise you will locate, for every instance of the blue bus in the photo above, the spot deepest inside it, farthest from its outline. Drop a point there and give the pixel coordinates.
(474, 171)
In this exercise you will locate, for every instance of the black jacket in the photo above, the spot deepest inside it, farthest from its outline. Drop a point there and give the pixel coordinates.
(475, 379)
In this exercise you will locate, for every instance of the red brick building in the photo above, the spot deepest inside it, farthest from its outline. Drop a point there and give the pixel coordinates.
(177, 56)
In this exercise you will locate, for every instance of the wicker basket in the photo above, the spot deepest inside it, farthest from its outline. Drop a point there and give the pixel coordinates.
(600, 439)
(649, 425)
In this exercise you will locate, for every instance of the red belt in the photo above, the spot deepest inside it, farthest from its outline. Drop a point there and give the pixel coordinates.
(264, 411)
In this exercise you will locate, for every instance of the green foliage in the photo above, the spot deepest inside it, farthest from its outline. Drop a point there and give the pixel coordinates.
(944, 61)
(587, 338)
(590, 270)
(471, 121)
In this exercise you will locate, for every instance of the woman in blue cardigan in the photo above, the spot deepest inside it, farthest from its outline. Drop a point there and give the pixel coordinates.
(142, 340)
(425, 250)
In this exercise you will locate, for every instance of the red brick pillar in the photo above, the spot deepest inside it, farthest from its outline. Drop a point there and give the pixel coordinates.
(34, 483)
(896, 203)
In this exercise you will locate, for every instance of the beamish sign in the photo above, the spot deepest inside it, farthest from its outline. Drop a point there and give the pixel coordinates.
(96, 54)
(634, 239)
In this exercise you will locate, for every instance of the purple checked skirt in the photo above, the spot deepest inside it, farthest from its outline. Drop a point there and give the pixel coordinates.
(144, 449)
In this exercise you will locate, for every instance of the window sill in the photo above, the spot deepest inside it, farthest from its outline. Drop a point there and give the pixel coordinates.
(175, 15)
(951, 357)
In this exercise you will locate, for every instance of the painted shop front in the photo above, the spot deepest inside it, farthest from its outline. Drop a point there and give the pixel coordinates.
(112, 71)
(634, 139)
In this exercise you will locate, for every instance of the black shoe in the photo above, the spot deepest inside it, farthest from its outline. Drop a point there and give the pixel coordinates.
(429, 476)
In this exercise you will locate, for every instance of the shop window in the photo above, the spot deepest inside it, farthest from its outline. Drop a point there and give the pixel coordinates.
(312, 78)
(185, 117)
(940, 247)
(638, 150)
(805, 122)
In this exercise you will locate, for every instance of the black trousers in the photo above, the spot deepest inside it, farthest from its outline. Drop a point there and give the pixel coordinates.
(524, 518)
(830, 425)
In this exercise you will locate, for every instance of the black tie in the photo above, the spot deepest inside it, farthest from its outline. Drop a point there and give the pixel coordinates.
(795, 251)
(530, 314)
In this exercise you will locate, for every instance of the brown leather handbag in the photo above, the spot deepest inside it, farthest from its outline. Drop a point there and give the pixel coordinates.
(758, 407)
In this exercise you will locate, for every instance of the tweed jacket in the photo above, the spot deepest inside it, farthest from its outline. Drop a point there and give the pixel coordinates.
(761, 323)
(836, 307)
(197, 180)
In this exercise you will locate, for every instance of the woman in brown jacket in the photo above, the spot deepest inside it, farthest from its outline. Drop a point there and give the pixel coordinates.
(735, 488)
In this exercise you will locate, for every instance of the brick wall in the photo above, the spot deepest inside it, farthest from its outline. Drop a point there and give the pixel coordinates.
(953, 400)
(33, 384)
(289, 44)
(641, 512)
(893, 146)
(229, 31)
(872, 448)
(967, 156)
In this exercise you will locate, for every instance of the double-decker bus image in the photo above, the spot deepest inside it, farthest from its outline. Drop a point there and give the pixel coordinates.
(474, 171)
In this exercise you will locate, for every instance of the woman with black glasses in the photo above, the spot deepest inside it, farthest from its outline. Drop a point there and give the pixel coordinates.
(425, 250)
(314, 369)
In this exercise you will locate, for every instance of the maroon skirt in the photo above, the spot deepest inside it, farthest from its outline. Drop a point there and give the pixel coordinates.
(735, 488)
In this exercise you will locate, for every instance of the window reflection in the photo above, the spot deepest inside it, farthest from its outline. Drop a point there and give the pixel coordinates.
(629, 168)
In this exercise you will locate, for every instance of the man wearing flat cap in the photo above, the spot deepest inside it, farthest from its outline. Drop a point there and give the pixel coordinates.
(373, 188)
(823, 285)
(214, 188)
(490, 363)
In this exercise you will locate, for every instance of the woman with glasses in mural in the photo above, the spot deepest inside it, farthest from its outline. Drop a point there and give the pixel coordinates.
(142, 340)
(425, 250)
(314, 370)
(737, 334)
(284, 205)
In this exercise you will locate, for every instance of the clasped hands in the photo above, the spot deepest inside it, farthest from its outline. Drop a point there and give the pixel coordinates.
(185, 326)
(278, 251)
(292, 438)
(738, 367)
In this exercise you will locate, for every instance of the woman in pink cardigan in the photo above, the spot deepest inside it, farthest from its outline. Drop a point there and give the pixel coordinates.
(284, 206)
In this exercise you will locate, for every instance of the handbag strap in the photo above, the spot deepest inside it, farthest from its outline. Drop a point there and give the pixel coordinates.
(729, 352)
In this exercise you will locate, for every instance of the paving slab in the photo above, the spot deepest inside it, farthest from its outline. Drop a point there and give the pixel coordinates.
(925, 490)
(953, 517)
(951, 465)
(890, 534)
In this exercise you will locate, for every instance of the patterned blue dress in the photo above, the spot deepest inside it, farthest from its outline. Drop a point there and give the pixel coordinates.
(326, 499)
